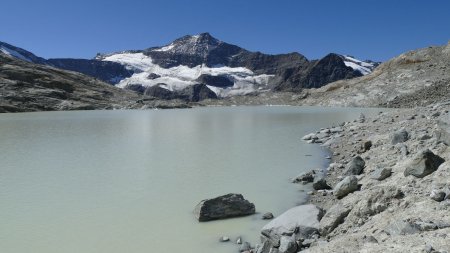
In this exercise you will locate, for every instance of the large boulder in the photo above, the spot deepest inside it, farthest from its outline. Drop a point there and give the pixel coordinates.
(423, 164)
(226, 206)
(355, 166)
(303, 220)
(333, 218)
(348, 185)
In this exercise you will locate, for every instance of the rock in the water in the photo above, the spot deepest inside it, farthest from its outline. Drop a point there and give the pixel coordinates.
(245, 247)
(401, 228)
(226, 206)
(355, 166)
(267, 216)
(381, 173)
(287, 245)
(348, 185)
(332, 218)
(437, 195)
(400, 136)
(224, 239)
(239, 240)
(423, 164)
(307, 177)
(320, 183)
(303, 219)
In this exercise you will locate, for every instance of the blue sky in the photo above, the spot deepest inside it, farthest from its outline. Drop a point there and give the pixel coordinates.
(367, 29)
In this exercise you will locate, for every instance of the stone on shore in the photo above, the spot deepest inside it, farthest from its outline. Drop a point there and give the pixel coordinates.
(348, 185)
(306, 177)
(302, 219)
(381, 173)
(320, 183)
(333, 218)
(423, 164)
(400, 136)
(437, 195)
(355, 166)
(226, 206)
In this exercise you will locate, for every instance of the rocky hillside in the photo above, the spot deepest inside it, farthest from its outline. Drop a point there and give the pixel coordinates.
(415, 78)
(26, 86)
(109, 72)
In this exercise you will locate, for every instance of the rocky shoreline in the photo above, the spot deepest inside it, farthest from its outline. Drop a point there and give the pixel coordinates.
(398, 198)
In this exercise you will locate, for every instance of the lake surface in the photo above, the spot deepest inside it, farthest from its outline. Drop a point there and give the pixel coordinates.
(127, 181)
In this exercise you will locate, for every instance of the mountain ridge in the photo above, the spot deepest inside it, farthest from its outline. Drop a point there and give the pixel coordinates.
(257, 71)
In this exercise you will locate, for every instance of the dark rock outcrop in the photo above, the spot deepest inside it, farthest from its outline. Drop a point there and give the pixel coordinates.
(158, 92)
(197, 92)
(222, 207)
(135, 87)
(220, 81)
(110, 72)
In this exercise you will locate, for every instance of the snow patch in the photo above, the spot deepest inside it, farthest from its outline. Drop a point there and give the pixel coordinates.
(180, 77)
(165, 49)
(363, 67)
(14, 53)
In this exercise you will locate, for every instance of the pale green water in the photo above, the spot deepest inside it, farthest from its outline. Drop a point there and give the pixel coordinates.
(127, 181)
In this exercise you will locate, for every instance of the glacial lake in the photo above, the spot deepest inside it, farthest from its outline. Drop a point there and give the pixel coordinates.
(128, 181)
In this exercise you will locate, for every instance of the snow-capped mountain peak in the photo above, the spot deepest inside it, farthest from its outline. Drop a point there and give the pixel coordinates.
(199, 45)
(364, 67)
